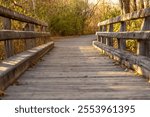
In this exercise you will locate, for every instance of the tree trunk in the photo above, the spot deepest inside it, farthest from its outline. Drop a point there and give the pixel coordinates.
(125, 6)
(121, 5)
(33, 4)
(134, 5)
(141, 4)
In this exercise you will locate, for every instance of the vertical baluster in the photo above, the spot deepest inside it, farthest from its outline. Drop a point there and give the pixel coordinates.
(29, 43)
(99, 38)
(9, 51)
(32, 40)
(122, 42)
(104, 38)
(109, 41)
(143, 47)
(43, 29)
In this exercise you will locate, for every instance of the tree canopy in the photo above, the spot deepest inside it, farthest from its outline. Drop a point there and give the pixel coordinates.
(73, 17)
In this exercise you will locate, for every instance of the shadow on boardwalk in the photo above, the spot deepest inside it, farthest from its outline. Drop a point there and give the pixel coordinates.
(75, 70)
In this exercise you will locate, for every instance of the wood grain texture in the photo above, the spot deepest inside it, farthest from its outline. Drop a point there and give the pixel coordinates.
(14, 34)
(9, 51)
(146, 47)
(76, 70)
(130, 16)
(122, 43)
(137, 35)
(141, 64)
(13, 67)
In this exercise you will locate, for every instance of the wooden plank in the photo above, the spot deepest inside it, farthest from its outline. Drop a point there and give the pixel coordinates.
(12, 34)
(76, 70)
(13, 67)
(141, 35)
(8, 13)
(130, 16)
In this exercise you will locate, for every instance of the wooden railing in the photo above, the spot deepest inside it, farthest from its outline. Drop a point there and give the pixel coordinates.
(27, 33)
(139, 61)
(14, 65)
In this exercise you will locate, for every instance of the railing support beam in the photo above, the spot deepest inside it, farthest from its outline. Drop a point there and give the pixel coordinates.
(30, 43)
(144, 46)
(9, 51)
(109, 41)
(122, 42)
(104, 38)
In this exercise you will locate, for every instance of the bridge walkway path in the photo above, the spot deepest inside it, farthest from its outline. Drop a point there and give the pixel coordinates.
(76, 70)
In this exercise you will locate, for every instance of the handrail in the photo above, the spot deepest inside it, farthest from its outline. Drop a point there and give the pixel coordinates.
(140, 61)
(8, 13)
(130, 16)
(141, 36)
(136, 35)
(7, 35)
(15, 64)
(14, 35)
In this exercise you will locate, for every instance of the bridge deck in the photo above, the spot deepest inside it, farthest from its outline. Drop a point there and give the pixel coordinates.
(75, 70)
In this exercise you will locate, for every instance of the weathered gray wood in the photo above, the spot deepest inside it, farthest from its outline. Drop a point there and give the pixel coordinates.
(43, 29)
(145, 46)
(75, 70)
(139, 35)
(130, 16)
(8, 43)
(122, 42)
(5, 12)
(13, 67)
(139, 63)
(141, 50)
(27, 42)
(33, 41)
(104, 38)
(110, 40)
(21, 34)
(99, 38)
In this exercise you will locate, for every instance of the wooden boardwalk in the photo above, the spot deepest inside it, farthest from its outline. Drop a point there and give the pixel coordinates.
(76, 70)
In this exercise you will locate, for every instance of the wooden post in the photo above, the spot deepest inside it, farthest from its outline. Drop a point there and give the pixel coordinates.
(109, 41)
(122, 42)
(104, 38)
(43, 29)
(101, 28)
(141, 47)
(144, 46)
(9, 51)
(99, 38)
(31, 28)
(29, 43)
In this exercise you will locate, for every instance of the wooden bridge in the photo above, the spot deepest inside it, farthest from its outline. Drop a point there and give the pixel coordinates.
(78, 67)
